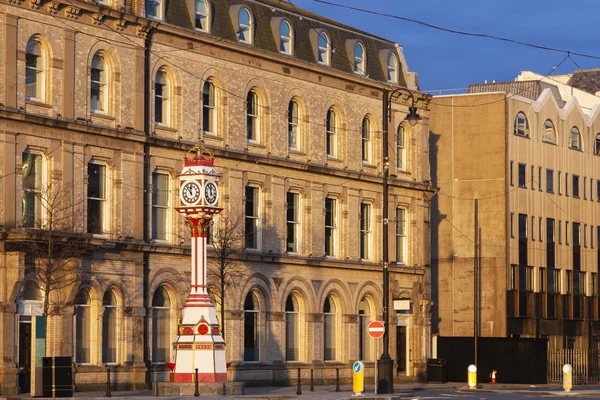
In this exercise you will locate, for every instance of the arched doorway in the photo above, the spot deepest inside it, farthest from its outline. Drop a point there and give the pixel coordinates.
(29, 305)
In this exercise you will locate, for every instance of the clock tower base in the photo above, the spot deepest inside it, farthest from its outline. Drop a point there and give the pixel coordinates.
(199, 345)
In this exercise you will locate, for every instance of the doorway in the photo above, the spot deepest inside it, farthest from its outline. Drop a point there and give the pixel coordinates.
(25, 355)
(401, 349)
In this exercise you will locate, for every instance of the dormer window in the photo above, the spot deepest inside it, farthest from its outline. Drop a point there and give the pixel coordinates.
(154, 9)
(323, 49)
(285, 38)
(245, 26)
(359, 59)
(392, 68)
(202, 15)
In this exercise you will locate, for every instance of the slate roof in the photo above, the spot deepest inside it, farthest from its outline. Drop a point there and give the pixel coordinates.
(528, 89)
(302, 21)
(587, 80)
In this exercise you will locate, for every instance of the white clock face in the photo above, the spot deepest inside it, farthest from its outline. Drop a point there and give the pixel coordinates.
(210, 193)
(190, 192)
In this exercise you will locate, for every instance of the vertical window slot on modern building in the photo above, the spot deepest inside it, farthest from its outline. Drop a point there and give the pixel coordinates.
(522, 177)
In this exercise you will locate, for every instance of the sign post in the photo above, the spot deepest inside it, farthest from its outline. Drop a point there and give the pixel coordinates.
(358, 378)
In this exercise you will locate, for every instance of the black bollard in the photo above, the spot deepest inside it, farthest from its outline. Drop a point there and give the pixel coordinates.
(312, 381)
(299, 391)
(107, 383)
(337, 379)
(196, 392)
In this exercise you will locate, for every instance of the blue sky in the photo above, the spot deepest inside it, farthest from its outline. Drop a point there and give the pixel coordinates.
(449, 61)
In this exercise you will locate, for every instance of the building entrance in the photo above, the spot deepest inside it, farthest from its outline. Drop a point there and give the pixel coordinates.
(401, 349)
(25, 356)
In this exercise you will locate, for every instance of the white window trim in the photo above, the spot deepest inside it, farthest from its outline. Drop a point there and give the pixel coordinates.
(212, 109)
(41, 73)
(394, 68)
(359, 68)
(367, 141)
(294, 127)
(249, 28)
(106, 85)
(286, 39)
(334, 133)
(167, 98)
(401, 152)
(402, 236)
(207, 16)
(256, 130)
(368, 232)
(326, 49)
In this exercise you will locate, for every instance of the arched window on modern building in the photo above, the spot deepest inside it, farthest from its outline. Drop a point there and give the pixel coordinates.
(161, 326)
(35, 70)
(292, 329)
(330, 329)
(575, 139)
(251, 328)
(521, 125)
(549, 135)
(109, 328)
(597, 145)
(83, 327)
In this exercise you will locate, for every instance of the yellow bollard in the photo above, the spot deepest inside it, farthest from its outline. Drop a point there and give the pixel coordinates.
(567, 377)
(358, 378)
(472, 376)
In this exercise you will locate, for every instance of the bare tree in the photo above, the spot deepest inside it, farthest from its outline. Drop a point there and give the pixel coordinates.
(226, 238)
(54, 249)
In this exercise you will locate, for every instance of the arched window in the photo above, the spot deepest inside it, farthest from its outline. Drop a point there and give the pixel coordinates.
(330, 329)
(367, 133)
(292, 329)
(202, 15)
(209, 109)
(521, 125)
(253, 117)
(99, 84)
(251, 328)
(285, 38)
(35, 71)
(549, 135)
(364, 341)
(323, 48)
(359, 58)
(162, 98)
(401, 162)
(245, 29)
(332, 136)
(392, 68)
(161, 326)
(154, 9)
(575, 139)
(597, 145)
(83, 327)
(293, 125)
(109, 328)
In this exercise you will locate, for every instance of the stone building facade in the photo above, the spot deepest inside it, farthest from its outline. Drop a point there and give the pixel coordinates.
(530, 156)
(101, 100)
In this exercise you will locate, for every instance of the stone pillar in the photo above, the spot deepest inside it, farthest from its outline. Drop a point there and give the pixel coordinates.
(8, 363)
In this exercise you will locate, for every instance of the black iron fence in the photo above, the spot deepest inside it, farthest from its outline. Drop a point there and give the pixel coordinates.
(585, 364)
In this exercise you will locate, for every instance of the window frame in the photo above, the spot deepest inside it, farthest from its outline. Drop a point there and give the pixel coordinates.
(206, 15)
(104, 201)
(159, 15)
(245, 32)
(253, 116)
(401, 239)
(401, 153)
(36, 190)
(366, 231)
(166, 207)
(283, 39)
(294, 141)
(331, 318)
(367, 140)
(154, 310)
(522, 177)
(295, 224)
(255, 218)
(295, 314)
(325, 51)
(332, 237)
(332, 136)
(255, 314)
(37, 71)
(165, 98)
(209, 108)
(393, 68)
(85, 317)
(103, 86)
(546, 137)
(110, 308)
(521, 124)
(575, 144)
(549, 180)
(359, 61)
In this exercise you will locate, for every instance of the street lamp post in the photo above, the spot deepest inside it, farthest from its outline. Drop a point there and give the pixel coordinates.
(385, 371)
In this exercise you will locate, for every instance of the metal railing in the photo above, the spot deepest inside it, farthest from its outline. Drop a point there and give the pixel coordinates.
(585, 364)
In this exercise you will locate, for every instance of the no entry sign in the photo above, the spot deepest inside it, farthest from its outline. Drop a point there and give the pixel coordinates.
(376, 329)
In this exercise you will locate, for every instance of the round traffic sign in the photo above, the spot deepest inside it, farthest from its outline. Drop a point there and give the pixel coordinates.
(376, 329)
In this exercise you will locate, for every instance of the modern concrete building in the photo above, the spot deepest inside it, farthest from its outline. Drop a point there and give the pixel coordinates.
(100, 101)
(531, 158)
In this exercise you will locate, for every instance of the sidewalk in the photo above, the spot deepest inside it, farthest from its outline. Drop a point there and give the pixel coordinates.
(533, 390)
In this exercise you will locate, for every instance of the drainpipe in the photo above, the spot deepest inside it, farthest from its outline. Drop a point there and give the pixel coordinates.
(146, 206)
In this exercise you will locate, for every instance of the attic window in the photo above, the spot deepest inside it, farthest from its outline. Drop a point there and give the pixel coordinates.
(521, 125)
(202, 15)
(323, 49)
(285, 38)
(359, 59)
(245, 30)
(154, 9)
(392, 68)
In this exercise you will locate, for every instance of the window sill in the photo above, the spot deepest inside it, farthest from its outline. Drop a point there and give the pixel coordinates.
(549, 142)
(102, 115)
(522, 136)
(212, 136)
(37, 103)
(165, 128)
(255, 144)
(296, 152)
(333, 159)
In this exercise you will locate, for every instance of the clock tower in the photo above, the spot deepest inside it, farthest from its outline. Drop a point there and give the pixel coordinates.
(199, 344)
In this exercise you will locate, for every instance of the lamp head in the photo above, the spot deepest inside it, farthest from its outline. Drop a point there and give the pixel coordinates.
(413, 118)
